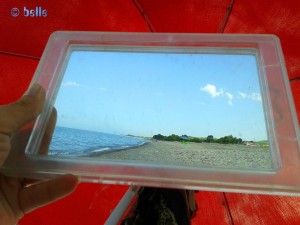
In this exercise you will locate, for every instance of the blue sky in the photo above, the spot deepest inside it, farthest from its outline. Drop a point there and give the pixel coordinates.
(150, 93)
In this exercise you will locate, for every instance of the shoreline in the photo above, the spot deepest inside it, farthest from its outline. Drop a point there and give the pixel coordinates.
(99, 153)
(194, 154)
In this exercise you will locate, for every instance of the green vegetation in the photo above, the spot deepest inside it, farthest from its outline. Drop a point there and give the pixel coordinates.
(209, 139)
(263, 142)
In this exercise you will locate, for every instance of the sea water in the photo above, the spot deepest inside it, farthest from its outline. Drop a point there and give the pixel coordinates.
(75, 142)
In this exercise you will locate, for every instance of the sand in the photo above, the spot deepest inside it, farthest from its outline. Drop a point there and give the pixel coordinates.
(196, 155)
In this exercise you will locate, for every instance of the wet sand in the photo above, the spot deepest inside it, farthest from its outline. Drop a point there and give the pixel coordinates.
(196, 154)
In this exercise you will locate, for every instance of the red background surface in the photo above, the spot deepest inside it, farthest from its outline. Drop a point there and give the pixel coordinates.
(22, 40)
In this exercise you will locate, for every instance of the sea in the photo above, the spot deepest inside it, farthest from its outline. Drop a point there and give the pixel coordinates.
(75, 142)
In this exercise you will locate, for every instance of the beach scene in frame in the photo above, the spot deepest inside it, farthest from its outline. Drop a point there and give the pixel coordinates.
(183, 109)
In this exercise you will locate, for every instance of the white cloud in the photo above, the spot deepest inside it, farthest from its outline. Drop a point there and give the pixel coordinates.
(242, 95)
(229, 98)
(70, 84)
(254, 96)
(212, 90)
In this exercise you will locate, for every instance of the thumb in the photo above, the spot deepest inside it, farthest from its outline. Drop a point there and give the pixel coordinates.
(14, 116)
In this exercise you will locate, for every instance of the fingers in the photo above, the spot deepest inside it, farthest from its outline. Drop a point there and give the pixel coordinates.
(41, 194)
(48, 133)
(16, 115)
(26, 109)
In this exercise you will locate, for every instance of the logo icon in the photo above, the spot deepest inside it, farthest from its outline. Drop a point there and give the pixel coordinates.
(15, 12)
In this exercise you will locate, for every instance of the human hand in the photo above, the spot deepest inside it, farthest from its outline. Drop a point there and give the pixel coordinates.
(19, 196)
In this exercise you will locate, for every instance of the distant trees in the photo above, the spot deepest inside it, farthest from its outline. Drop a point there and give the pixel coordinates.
(209, 139)
(196, 139)
(172, 137)
(158, 137)
(230, 140)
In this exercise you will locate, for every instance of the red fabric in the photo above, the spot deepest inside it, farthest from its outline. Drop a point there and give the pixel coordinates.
(296, 96)
(212, 209)
(247, 209)
(279, 17)
(91, 203)
(28, 35)
(192, 16)
(15, 75)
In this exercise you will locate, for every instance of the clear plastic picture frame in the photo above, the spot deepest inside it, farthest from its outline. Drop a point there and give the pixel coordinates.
(272, 97)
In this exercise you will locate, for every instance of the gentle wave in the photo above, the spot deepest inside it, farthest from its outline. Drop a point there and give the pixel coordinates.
(74, 142)
(118, 148)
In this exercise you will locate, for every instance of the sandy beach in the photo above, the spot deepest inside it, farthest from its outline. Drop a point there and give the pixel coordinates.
(196, 155)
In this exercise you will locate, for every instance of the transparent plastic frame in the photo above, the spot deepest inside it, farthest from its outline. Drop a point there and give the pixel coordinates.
(281, 120)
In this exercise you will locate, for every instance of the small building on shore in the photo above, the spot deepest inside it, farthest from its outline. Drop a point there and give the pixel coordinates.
(184, 138)
(249, 143)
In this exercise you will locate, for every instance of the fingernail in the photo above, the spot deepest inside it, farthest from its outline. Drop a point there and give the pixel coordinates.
(33, 90)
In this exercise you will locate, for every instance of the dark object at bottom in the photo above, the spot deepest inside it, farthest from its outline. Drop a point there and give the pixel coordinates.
(159, 206)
